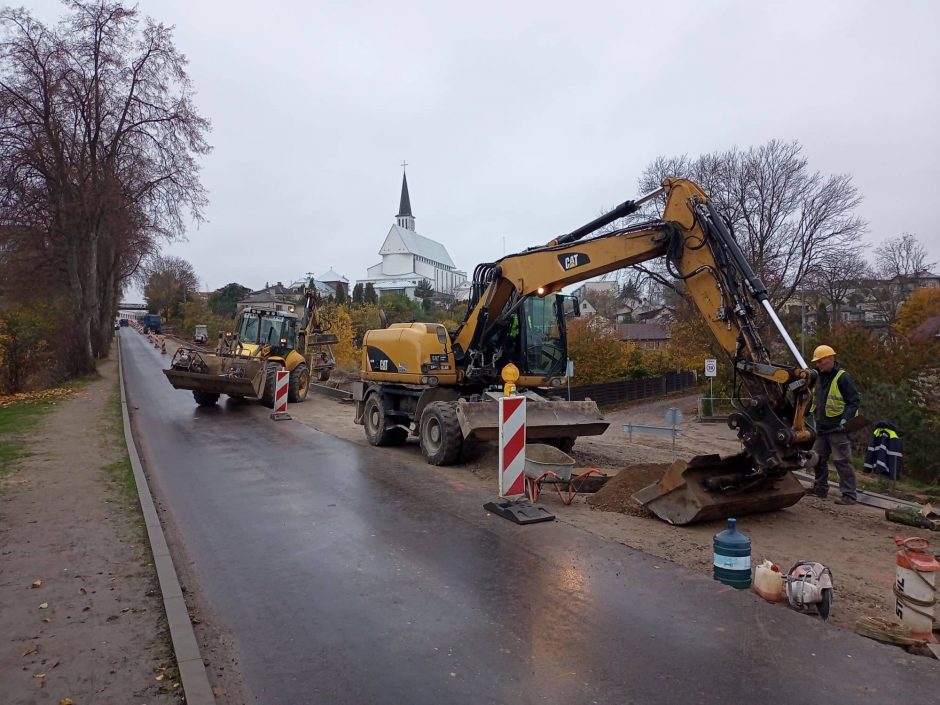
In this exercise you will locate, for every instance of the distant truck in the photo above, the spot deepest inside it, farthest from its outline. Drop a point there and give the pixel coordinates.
(152, 323)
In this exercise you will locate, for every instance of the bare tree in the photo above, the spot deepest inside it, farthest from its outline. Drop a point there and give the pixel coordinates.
(786, 218)
(836, 277)
(169, 283)
(98, 146)
(898, 263)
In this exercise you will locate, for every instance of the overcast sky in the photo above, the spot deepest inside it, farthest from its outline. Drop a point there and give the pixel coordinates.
(522, 120)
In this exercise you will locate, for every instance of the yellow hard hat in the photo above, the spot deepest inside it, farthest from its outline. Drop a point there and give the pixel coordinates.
(822, 351)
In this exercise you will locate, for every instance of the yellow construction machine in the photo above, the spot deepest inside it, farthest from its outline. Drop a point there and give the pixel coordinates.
(246, 360)
(440, 386)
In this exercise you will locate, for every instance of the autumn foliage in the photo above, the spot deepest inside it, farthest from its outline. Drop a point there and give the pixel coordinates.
(921, 305)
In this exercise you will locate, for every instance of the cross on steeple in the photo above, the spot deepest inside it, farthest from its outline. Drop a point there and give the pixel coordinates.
(404, 164)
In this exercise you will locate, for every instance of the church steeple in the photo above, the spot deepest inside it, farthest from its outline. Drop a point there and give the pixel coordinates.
(405, 219)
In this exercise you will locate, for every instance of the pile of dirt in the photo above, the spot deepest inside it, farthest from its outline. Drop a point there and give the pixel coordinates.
(617, 493)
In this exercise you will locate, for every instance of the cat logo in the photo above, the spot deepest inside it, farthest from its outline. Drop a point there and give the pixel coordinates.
(573, 260)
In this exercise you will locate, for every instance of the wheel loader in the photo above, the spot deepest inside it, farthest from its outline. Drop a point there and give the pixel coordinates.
(246, 360)
(421, 380)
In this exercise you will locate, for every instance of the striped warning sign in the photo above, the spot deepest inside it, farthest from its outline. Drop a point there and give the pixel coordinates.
(511, 446)
(280, 395)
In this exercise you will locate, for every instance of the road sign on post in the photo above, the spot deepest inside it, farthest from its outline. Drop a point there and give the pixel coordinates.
(280, 396)
(711, 371)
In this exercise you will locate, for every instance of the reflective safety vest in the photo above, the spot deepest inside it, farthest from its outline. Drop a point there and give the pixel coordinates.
(835, 404)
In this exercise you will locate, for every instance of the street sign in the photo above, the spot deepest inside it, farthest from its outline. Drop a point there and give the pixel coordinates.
(569, 371)
(674, 416)
(711, 368)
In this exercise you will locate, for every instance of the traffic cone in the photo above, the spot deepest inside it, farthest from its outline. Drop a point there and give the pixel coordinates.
(163, 346)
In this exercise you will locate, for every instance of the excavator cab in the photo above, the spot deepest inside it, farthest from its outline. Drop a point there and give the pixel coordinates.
(536, 341)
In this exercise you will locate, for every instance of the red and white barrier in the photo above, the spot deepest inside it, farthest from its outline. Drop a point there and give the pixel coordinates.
(280, 395)
(511, 447)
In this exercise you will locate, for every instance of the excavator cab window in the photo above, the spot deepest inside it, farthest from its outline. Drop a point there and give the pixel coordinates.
(543, 336)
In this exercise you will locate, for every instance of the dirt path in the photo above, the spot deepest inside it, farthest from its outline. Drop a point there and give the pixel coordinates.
(94, 631)
(855, 542)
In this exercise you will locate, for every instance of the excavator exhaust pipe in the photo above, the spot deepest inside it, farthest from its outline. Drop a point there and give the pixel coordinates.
(710, 487)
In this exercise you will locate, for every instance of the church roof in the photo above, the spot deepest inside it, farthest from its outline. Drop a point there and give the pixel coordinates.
(332, 276)
(416, 245)
(404, 208)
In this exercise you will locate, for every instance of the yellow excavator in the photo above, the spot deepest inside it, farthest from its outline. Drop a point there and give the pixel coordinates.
(422, 380)
(247, 359)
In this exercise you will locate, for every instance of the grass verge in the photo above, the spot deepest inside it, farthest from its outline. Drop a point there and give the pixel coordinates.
(120, 471)
(17, 420)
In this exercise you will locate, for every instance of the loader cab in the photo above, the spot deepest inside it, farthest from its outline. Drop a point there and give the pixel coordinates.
(277, 329)
(539, 341)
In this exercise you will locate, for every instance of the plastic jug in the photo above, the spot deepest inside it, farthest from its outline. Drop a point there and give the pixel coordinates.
(732, 557)
(769, 581)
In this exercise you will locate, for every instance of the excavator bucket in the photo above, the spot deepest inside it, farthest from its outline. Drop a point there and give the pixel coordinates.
(220, 375)
(479, 420)
(711, 487)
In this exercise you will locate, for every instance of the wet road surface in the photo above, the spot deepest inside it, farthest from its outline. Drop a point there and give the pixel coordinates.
(346, 577)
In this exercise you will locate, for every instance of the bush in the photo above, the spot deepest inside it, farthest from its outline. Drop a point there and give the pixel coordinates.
(25, 344)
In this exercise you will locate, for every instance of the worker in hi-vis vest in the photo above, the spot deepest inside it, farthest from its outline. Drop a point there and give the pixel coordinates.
(836, 402)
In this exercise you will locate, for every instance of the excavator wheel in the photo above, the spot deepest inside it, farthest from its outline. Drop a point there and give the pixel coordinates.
(299, 384)
(439, 434)
(205, 398)
(376, 425)
(270, 382)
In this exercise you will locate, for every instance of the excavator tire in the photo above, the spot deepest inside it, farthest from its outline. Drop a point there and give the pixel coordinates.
(205, 398)
(270, 383)
(299, 384)
(375, 423)
(439, 434)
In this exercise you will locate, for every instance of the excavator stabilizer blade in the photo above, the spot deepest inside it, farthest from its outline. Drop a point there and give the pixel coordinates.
(684, 495)
(479, 420)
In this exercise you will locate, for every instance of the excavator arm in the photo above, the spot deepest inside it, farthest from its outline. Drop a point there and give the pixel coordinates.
(772, 398)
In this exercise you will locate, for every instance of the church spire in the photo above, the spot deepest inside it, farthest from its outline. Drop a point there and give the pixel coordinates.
(405, 219)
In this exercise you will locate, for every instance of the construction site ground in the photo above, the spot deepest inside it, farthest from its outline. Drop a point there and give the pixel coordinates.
(855, 542)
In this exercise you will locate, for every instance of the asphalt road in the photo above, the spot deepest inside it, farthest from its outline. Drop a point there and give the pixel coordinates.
(346, 577)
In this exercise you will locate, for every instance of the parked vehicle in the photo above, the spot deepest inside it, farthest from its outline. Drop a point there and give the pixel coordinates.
(152, 323)
(201, 335)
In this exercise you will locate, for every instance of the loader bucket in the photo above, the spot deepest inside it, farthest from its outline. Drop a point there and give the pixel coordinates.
(242, 378)
(711, 487)
(479, 420)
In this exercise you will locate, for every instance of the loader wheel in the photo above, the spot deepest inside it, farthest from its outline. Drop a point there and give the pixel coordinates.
(440, 436)
(323, 375)
(299, 384)
(270, 382)
(205, 398)
(375, 422)
(562, 443)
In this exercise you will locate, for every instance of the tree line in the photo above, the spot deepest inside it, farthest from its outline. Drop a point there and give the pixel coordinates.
(99, 148)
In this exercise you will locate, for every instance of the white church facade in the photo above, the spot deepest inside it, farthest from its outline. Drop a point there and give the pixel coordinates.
(409, 258)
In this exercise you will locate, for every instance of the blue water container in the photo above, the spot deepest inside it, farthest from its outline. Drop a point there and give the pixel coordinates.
(732, 564)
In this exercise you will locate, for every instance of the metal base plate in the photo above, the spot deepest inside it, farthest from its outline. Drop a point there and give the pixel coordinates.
(521, 511)
(283, 416)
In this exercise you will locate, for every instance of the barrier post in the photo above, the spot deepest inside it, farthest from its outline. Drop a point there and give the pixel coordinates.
(512, 503)
(280, 396)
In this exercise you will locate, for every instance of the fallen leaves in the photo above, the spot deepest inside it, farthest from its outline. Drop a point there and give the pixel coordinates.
(30, 650)
(44, 605)
(66, 701)
(37, 583)
(33, 397)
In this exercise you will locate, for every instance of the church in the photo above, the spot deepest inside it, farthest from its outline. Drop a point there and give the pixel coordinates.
(408, 258)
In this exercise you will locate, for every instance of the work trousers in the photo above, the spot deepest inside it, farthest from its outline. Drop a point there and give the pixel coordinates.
(837, 446)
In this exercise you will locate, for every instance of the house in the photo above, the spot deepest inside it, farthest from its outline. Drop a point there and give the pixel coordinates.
(645, 336)
(409, 258)
(277, 298)
(335, 281)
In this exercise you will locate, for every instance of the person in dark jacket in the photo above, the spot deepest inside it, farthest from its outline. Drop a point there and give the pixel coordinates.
(837, 400)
